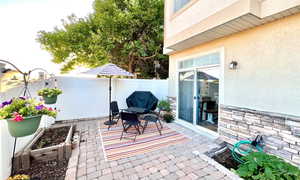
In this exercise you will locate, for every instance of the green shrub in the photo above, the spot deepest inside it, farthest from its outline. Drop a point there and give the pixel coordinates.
(168, 117)
(261, 166)
(164, 105)
(49, 92)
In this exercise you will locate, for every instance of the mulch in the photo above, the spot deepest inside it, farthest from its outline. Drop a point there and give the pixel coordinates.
(51, 170)
(225, 158)
(52, 137)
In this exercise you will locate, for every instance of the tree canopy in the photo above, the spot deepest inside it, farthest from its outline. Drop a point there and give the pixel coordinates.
(128, 33)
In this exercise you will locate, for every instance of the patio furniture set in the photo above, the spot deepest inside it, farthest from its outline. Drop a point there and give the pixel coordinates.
(141, 107)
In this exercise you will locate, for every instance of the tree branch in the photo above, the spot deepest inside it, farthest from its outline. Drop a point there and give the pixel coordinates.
(149, 57)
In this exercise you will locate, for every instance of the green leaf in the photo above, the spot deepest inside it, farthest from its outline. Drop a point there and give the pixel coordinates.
(252, 167)
(268, 173)
(261, 166)
(128, 33)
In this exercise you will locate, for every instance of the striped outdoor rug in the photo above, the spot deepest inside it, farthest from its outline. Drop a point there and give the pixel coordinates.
(115, 149)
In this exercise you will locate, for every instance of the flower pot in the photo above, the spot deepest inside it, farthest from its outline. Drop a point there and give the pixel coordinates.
(168, 117)
(24, 128)
(50, 100)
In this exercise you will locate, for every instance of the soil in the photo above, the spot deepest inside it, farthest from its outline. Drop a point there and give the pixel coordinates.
(52, 137)
(225, 158)
(51, 170)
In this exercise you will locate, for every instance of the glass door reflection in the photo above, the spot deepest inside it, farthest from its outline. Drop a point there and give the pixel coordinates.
(207, 98)
(186, 96)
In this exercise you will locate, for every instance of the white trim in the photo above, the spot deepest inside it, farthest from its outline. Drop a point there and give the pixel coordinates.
(198, 67)
(222, 169)
(222, 79)
(218, 50)
(195, 104)
(194, 126)
(167, 50)
(200, 54)
(177, 92)
(200, 130)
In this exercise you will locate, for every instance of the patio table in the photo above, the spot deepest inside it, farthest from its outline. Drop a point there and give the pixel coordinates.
(137, 110)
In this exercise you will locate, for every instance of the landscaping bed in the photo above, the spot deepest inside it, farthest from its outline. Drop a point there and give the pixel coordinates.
(256, 165)
(51, 170)
(48, 146)
(50, 155)
(51, 137)
(225, 158)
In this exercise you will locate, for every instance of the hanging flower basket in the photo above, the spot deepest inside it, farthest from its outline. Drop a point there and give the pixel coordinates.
(49, 94)
(50, 100)
(23, 115)
(26, 127)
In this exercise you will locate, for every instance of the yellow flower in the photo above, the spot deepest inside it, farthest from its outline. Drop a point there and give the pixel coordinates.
(19, 177)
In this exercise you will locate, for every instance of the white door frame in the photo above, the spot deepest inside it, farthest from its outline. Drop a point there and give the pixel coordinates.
(194, 69)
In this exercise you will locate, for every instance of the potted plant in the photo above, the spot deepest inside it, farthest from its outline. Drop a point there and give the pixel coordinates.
(164, 105)
(23, 115)
(49, 94)
(168, 117)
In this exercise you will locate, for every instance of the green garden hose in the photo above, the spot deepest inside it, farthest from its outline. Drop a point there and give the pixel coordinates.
(236, 148)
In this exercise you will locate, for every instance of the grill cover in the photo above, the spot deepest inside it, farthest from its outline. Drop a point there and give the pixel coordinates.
(142, 99)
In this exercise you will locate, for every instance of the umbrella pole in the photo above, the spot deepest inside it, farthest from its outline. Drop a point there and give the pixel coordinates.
(110, 98)
(110, 122)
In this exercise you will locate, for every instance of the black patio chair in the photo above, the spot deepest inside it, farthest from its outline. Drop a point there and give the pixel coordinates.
(129, 120)
(211, 108)
(115, 112)
(154, 118)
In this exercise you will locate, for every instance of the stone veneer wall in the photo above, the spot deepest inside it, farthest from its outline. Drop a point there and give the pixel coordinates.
(281, 132)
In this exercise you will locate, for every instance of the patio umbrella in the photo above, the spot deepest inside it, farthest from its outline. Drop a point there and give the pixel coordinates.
(109, 70)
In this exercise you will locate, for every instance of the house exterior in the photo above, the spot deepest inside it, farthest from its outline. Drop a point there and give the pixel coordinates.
(234, 69)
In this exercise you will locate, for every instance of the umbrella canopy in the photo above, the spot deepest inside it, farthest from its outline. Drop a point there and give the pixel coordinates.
(109, 70)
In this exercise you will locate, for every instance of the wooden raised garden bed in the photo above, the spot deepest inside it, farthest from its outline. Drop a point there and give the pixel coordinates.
(51, 144)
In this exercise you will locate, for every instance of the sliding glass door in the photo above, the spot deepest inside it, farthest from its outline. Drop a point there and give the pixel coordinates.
(207, 97)
(198, 90)
(186, 96)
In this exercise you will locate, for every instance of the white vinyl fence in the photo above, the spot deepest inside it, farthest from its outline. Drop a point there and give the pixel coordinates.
(83, 97)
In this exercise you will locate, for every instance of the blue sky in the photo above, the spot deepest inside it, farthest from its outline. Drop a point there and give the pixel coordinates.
(20, 21)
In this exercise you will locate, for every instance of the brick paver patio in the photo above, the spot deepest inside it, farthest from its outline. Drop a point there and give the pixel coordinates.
(173, 162)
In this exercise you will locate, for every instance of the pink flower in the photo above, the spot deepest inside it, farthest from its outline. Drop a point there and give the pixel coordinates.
(50, 109)
(18, 117)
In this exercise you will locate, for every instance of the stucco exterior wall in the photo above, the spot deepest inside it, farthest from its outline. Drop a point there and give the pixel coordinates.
(268, 76)
(269, 7)
(197, 11)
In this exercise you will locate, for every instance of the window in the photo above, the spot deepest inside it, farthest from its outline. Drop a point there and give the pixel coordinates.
(178, 4)
(210, 59)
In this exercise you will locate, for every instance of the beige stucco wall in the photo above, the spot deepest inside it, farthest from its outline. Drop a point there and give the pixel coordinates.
(205, 16)
(197, 11)
(268, 76)
(269, 7)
